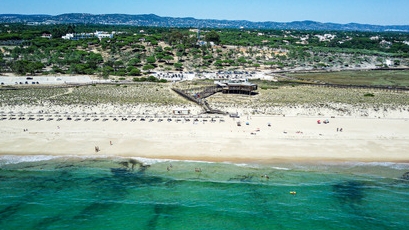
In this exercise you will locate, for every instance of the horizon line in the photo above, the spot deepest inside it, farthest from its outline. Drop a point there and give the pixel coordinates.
(182, 17)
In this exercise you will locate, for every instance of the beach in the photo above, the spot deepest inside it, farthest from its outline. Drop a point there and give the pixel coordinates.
(109, 157)
(216, 138)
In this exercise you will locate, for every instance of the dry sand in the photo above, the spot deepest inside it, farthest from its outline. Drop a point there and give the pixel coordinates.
(289, 138)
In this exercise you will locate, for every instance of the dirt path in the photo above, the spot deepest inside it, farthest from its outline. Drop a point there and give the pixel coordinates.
(70, 90)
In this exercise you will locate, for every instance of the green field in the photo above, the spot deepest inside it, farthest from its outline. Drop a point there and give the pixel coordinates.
(370, 77)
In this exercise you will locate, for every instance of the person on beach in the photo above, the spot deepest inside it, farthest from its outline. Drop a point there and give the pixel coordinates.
(265, 176)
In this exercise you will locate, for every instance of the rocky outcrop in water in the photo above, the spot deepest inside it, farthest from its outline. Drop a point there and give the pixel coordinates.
(405, 176)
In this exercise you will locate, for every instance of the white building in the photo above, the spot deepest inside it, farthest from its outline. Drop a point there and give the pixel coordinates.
(78, 36)
(101, 34)
(68, 36)
(49, 36)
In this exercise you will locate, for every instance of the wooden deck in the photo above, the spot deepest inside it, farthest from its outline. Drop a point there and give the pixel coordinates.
(198, 95)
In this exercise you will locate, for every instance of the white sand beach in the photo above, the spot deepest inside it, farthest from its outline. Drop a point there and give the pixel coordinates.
(207, 137)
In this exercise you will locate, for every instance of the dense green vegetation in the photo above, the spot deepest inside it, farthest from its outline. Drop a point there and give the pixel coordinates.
(135, 51)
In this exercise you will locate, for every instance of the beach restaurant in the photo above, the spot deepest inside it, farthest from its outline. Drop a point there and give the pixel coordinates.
(241, 86)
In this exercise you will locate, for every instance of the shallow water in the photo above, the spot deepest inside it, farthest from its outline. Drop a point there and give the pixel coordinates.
(43, 192)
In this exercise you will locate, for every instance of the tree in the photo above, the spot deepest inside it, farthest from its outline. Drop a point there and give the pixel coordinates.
(256, 65)
(152, 79)
(218, 63)
(94, 59)
(212, 36)
(2, 62)
(159, 57)
(132, 71)
(107, 70)
(148, 67)
(175, 37)
(18, 67)
(118, 65)
(168, 58)
(270, 63)
(159, 49)
(134, 62)
(180, 55)
(178, 66)
(168, 49)
(23, 66)
(242, 60)
(151, 59)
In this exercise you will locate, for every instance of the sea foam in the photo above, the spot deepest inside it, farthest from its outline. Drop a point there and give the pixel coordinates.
(15, 159)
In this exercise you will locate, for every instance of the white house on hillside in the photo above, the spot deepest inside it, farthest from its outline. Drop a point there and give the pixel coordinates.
(78, 36)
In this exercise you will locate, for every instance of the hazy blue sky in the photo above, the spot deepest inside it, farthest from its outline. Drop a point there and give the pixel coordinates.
(380, 12)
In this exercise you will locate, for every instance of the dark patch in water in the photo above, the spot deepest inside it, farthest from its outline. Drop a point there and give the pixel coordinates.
(9, 211)
(91, 211)
(405, 176)
(55, 183)
(136, 178)
(120, 172)
(349, 192)
(242, 178)
(161, 210)
(40, 185)
(125, 164)
(46, 222)
(34, 166)
(115, 187)
(65, 166)
(128, 176)
(173, 183)
(130, 165)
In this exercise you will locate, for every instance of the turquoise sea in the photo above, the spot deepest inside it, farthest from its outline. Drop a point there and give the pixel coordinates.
(48, 192)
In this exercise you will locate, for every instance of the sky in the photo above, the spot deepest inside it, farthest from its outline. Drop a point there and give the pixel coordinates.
(377, 12)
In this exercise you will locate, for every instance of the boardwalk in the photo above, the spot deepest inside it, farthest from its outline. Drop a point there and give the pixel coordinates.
(198, 95)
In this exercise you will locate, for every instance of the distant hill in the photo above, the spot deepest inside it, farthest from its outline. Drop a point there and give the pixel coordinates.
(157, 21)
